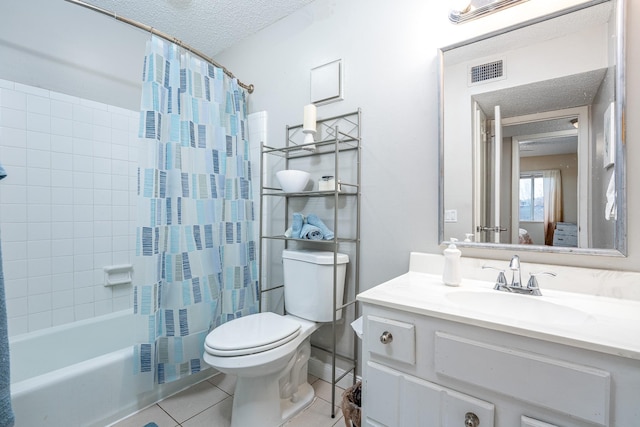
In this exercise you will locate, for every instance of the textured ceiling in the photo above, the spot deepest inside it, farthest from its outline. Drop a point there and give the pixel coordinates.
(210, 26)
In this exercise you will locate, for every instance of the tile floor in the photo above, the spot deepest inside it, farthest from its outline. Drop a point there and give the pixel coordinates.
(208, 403)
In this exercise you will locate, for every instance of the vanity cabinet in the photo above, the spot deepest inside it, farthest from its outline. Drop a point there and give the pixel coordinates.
(423, 370)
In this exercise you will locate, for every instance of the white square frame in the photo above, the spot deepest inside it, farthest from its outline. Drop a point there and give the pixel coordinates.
(326, 83)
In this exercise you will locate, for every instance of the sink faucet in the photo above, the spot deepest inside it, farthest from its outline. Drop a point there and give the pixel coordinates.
(516, 281)
(514, 266)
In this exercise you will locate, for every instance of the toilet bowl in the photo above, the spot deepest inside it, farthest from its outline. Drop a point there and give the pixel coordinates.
(271, 382)
(269, 352)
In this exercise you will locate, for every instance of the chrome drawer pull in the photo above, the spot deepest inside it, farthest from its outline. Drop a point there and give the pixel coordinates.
(386, 337)
(471, 420)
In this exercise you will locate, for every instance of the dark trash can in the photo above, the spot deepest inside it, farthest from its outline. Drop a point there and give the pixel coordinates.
(351, 403)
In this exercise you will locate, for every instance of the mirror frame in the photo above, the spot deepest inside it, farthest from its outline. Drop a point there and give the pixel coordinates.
(620, 239)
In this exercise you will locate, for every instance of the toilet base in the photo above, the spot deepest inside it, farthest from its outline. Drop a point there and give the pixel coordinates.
(257, 402)
(290, 409)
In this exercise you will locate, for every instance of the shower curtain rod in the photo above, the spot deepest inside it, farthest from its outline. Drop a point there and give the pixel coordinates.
(248, 87)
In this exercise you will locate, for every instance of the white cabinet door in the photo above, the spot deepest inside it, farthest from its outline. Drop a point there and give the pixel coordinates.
(381, 390)
(394, 399)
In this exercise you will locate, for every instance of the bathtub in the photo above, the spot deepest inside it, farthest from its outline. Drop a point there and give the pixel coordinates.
(81, 374)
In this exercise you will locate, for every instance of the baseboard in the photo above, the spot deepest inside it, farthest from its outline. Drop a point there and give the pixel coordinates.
(322, 369)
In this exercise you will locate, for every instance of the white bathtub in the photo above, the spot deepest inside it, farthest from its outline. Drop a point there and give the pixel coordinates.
(81, 374)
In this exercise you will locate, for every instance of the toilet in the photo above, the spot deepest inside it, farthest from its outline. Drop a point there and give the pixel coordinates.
(269, 352)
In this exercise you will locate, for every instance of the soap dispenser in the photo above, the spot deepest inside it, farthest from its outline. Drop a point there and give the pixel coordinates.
(451, 274)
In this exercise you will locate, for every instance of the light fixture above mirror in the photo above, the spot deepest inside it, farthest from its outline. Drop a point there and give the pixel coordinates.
(467, 10)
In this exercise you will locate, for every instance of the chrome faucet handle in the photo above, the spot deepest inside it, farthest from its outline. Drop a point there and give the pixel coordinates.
(532, 286)
(501, 281)
(514, 266)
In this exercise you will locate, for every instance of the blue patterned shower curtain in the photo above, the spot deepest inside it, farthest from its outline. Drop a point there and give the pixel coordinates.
(196, 260)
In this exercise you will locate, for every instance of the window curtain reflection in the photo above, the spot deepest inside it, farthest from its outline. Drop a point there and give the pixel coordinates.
(552, 184)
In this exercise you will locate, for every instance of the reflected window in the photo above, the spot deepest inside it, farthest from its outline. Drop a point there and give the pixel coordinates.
(531, 197)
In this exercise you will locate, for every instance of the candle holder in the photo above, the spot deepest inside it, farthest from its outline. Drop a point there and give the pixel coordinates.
(309, 138)
(309, 127)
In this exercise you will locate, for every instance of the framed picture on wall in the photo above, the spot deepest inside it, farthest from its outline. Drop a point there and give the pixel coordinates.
(609, 150)
(326, 83)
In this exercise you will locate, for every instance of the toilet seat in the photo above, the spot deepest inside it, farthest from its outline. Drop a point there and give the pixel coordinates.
(251, 334)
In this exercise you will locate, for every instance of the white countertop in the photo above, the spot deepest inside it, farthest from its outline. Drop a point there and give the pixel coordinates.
(607, 325)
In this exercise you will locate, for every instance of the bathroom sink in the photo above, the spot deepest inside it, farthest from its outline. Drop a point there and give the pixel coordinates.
(522, 307)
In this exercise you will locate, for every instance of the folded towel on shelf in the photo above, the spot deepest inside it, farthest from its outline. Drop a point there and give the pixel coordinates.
(311, 232)
(296, 225)
(315, 221)
(288, 233)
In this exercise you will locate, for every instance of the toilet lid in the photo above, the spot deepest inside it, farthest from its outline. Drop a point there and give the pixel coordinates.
(251, 334)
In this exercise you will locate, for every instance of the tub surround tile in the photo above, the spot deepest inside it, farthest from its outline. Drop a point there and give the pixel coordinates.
(32, 90)
(40, 320)
(62, 316)
(13, 137)
(61, 109)
(14, 99)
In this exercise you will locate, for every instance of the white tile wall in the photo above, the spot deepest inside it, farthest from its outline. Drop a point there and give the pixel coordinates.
(67, 206)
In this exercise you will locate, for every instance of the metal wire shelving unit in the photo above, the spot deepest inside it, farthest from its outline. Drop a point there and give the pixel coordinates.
(336, 136)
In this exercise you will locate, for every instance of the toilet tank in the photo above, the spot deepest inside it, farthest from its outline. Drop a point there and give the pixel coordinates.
(308, 283)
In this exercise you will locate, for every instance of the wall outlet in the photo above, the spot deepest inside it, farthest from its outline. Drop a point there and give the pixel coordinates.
(451, 215)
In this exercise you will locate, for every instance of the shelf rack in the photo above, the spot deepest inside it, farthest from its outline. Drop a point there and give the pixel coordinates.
(337, 136)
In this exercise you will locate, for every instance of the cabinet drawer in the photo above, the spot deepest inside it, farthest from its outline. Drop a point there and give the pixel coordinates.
(392, 339)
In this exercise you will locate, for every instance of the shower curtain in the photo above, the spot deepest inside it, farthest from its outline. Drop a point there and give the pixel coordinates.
(196, 260)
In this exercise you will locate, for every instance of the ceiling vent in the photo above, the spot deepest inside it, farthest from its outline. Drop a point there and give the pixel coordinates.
(490, 71)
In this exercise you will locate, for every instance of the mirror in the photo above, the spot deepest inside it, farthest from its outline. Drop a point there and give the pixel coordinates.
(531, 149)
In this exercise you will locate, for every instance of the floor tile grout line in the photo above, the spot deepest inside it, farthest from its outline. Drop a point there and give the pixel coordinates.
(206, 409)
(162, 409)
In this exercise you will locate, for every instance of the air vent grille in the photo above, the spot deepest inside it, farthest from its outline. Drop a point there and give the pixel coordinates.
(488, 71)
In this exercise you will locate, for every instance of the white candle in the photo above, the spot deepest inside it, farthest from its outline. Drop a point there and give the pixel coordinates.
(309, 117)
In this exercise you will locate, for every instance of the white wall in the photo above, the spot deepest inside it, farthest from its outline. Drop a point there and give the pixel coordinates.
(58, 46)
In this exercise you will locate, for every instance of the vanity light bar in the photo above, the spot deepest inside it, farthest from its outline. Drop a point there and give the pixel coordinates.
(479, 8)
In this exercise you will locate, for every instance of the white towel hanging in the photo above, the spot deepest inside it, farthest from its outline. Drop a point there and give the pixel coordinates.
(611, 209)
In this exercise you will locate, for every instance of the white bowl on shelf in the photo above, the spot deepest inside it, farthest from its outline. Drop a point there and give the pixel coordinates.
(292, 180)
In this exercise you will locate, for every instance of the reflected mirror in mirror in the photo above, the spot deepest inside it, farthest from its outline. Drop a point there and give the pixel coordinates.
(531, 136)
